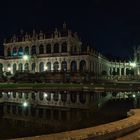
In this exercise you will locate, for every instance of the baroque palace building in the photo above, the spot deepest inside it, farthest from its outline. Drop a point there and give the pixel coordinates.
(60, 51)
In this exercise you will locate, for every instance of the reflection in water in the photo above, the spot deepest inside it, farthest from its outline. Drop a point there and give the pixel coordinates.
(33, 113)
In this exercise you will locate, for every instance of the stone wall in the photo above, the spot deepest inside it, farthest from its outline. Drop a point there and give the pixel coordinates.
(101, 132)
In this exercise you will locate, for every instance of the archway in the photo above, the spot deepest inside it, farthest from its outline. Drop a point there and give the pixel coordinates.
(56, 66)
(48, 48)
(33, 50)
(20, 51)
(20, 67)
(27, 50)
(26, 67)
(73, 66)
(14, 68)
(56, 48)
(41, 67)
(64, 47)
(14, 53)
(49, 66)
(82, 65)
(64, 66)
(41, 49)
(33, 67)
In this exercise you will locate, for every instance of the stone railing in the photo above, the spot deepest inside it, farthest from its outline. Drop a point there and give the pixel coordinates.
(102, 132)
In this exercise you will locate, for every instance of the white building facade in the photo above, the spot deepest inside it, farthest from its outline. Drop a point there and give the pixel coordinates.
(60, 51)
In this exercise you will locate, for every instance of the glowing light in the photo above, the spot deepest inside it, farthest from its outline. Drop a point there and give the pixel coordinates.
(134, 95)
(25, 104)
(25, 57)
(9, 69)
(45, 68)
(45, 95)
(133, 64)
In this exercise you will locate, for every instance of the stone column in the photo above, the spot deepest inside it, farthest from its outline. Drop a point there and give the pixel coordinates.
(52, 66)
(120, 71)
(124, 71)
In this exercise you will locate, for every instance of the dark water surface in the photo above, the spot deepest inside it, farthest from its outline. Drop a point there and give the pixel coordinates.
(12, 126)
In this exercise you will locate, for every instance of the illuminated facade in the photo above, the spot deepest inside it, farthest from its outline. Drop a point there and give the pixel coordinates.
(58, 51)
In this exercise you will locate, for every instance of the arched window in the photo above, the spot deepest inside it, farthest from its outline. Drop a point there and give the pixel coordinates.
(20, 67)
(41, 67)
(1, 68)
(33, 67)
(64, 66)
(14, 68)
(20, 51)
(64, 47)
(41, 96)
(26, 67)
(56, 66)
(122, 71)
(55, 96)
(49, 66)
(41, 49)
(33, 96)
(48, 48)
(56, 48)
(33, 50)
(82, 65)
(27, 50)
(14, 53)
(127, 71)
(8, 52)
(73, 66)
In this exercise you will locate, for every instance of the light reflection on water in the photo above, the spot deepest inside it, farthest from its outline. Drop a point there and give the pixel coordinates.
(20, 119)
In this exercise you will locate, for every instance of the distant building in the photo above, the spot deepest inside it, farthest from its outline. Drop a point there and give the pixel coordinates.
(60, 51)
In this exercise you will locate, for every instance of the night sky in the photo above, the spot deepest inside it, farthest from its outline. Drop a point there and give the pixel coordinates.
(110, 26)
